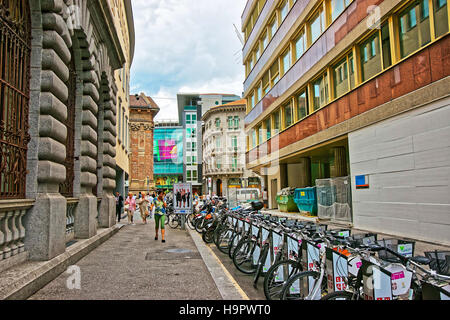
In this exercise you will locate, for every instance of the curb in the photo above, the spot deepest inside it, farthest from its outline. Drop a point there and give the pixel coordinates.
(21, 282)
(228, 288)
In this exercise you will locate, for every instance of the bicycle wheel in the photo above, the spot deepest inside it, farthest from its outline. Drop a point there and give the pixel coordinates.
(243, 256)
(338, 295)
(169, 216)
(223, 241)
(207, 236)
(277, 276)
(260, 265)
(198, 224)
(296, 287)
(174, 222)
(233, 244)
(190, 221)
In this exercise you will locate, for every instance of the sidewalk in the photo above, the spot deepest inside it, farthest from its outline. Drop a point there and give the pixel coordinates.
(133, 266)
(420, 246)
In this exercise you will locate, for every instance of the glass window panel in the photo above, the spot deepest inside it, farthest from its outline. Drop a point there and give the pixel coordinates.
(302, 105)
(387, 59)
(337, 7)
(317, 26)
(268, 128)
(300, 46)
(288, 115)
(370, 64)
(284, 10)
(351, 71)
(286, 61)
(273, 27)
(254, 138)
(277, 122)
(440, 17)
(320, 92)
(236, 122)
(265, 41)
(414, 33)
(259, 129)
(340, 78)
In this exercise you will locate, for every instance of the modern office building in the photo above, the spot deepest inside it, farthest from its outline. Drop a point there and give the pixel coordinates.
(142, 113)
(167, 154)
(191, 108)
(224, 151)
(354, 88)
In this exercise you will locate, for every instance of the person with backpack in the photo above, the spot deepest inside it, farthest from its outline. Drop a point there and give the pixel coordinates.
(160, 215)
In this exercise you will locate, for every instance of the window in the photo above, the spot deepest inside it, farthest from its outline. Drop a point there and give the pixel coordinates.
(316, 26)
(370, 57)
(218, 142)
(340, 78)
(194, 175)
(302, 105)
(414, 33)
(236, 122)
(234, 162)
(193, 119)
(265, 40)
(188, 175)
(288, 115)
(268, 128)
(230, 123)
(219, 163)
(259, 131)
(188, 160)
(276, 122)
(284, 9)
(273, 26)
(252, 101)
(337, 7)
(440, 17)
(194, 147)
(286, 60)
(234, 142)
(217, 122)
(254, 142)
(266, 83)
(259, 93)
(257, 53)
(320, 92)
(188, 119)
(190, 133)
(300, 45)
(274, 73)
(386, 46)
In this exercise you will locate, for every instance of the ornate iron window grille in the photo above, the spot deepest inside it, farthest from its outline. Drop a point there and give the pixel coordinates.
(15, 55)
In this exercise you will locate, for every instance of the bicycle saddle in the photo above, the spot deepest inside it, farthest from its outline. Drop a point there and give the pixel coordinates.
(421, 260)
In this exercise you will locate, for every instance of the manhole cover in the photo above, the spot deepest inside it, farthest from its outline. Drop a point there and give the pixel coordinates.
(178, 250)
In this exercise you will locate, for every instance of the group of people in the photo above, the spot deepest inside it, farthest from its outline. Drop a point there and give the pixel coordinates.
(149, 205)
(183, 198)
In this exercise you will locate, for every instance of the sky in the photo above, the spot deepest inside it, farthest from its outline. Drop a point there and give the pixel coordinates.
(186, 46)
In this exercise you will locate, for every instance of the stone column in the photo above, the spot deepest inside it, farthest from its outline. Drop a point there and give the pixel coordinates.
(107, 215)
(46, 220)
(340, 162)
(305, 173)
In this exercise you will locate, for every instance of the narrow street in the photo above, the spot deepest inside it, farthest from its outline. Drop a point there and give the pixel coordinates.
(133, 266)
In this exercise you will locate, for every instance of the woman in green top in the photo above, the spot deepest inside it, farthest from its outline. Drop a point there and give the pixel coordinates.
(160, 214)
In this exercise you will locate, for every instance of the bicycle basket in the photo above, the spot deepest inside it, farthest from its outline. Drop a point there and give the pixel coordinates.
(405, 248)
(440, 261)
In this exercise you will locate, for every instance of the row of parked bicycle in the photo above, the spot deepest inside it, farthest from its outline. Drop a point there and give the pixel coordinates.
(301, 260)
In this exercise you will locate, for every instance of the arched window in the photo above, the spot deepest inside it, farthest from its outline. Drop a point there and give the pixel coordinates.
(15, 52)
(66, 188)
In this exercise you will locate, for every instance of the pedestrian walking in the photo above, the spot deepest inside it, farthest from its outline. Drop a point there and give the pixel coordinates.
(143, 207)
(160, 215)
(130, 207)
(119, 205)
(150, 199)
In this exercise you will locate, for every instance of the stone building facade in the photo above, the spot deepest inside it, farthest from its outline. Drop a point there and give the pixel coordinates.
(57, 125)
(142, 113)
(224, 151)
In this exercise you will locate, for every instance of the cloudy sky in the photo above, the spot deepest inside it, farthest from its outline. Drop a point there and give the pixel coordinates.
(186, 46)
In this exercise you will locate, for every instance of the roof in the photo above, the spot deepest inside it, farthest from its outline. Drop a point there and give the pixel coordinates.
(242, 102)
(142, 101)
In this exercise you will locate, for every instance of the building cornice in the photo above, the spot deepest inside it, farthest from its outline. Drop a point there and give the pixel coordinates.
(131, 29)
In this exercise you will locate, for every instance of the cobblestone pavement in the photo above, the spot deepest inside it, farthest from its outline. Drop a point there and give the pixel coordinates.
(133, 266)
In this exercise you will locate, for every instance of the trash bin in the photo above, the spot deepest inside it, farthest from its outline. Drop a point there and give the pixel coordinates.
(287, 203)
(306, 200)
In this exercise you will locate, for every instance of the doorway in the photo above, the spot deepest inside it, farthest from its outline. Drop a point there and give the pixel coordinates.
(219, 188)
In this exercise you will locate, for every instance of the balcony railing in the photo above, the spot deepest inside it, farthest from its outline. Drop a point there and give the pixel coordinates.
(72, 204)
(12, 231)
